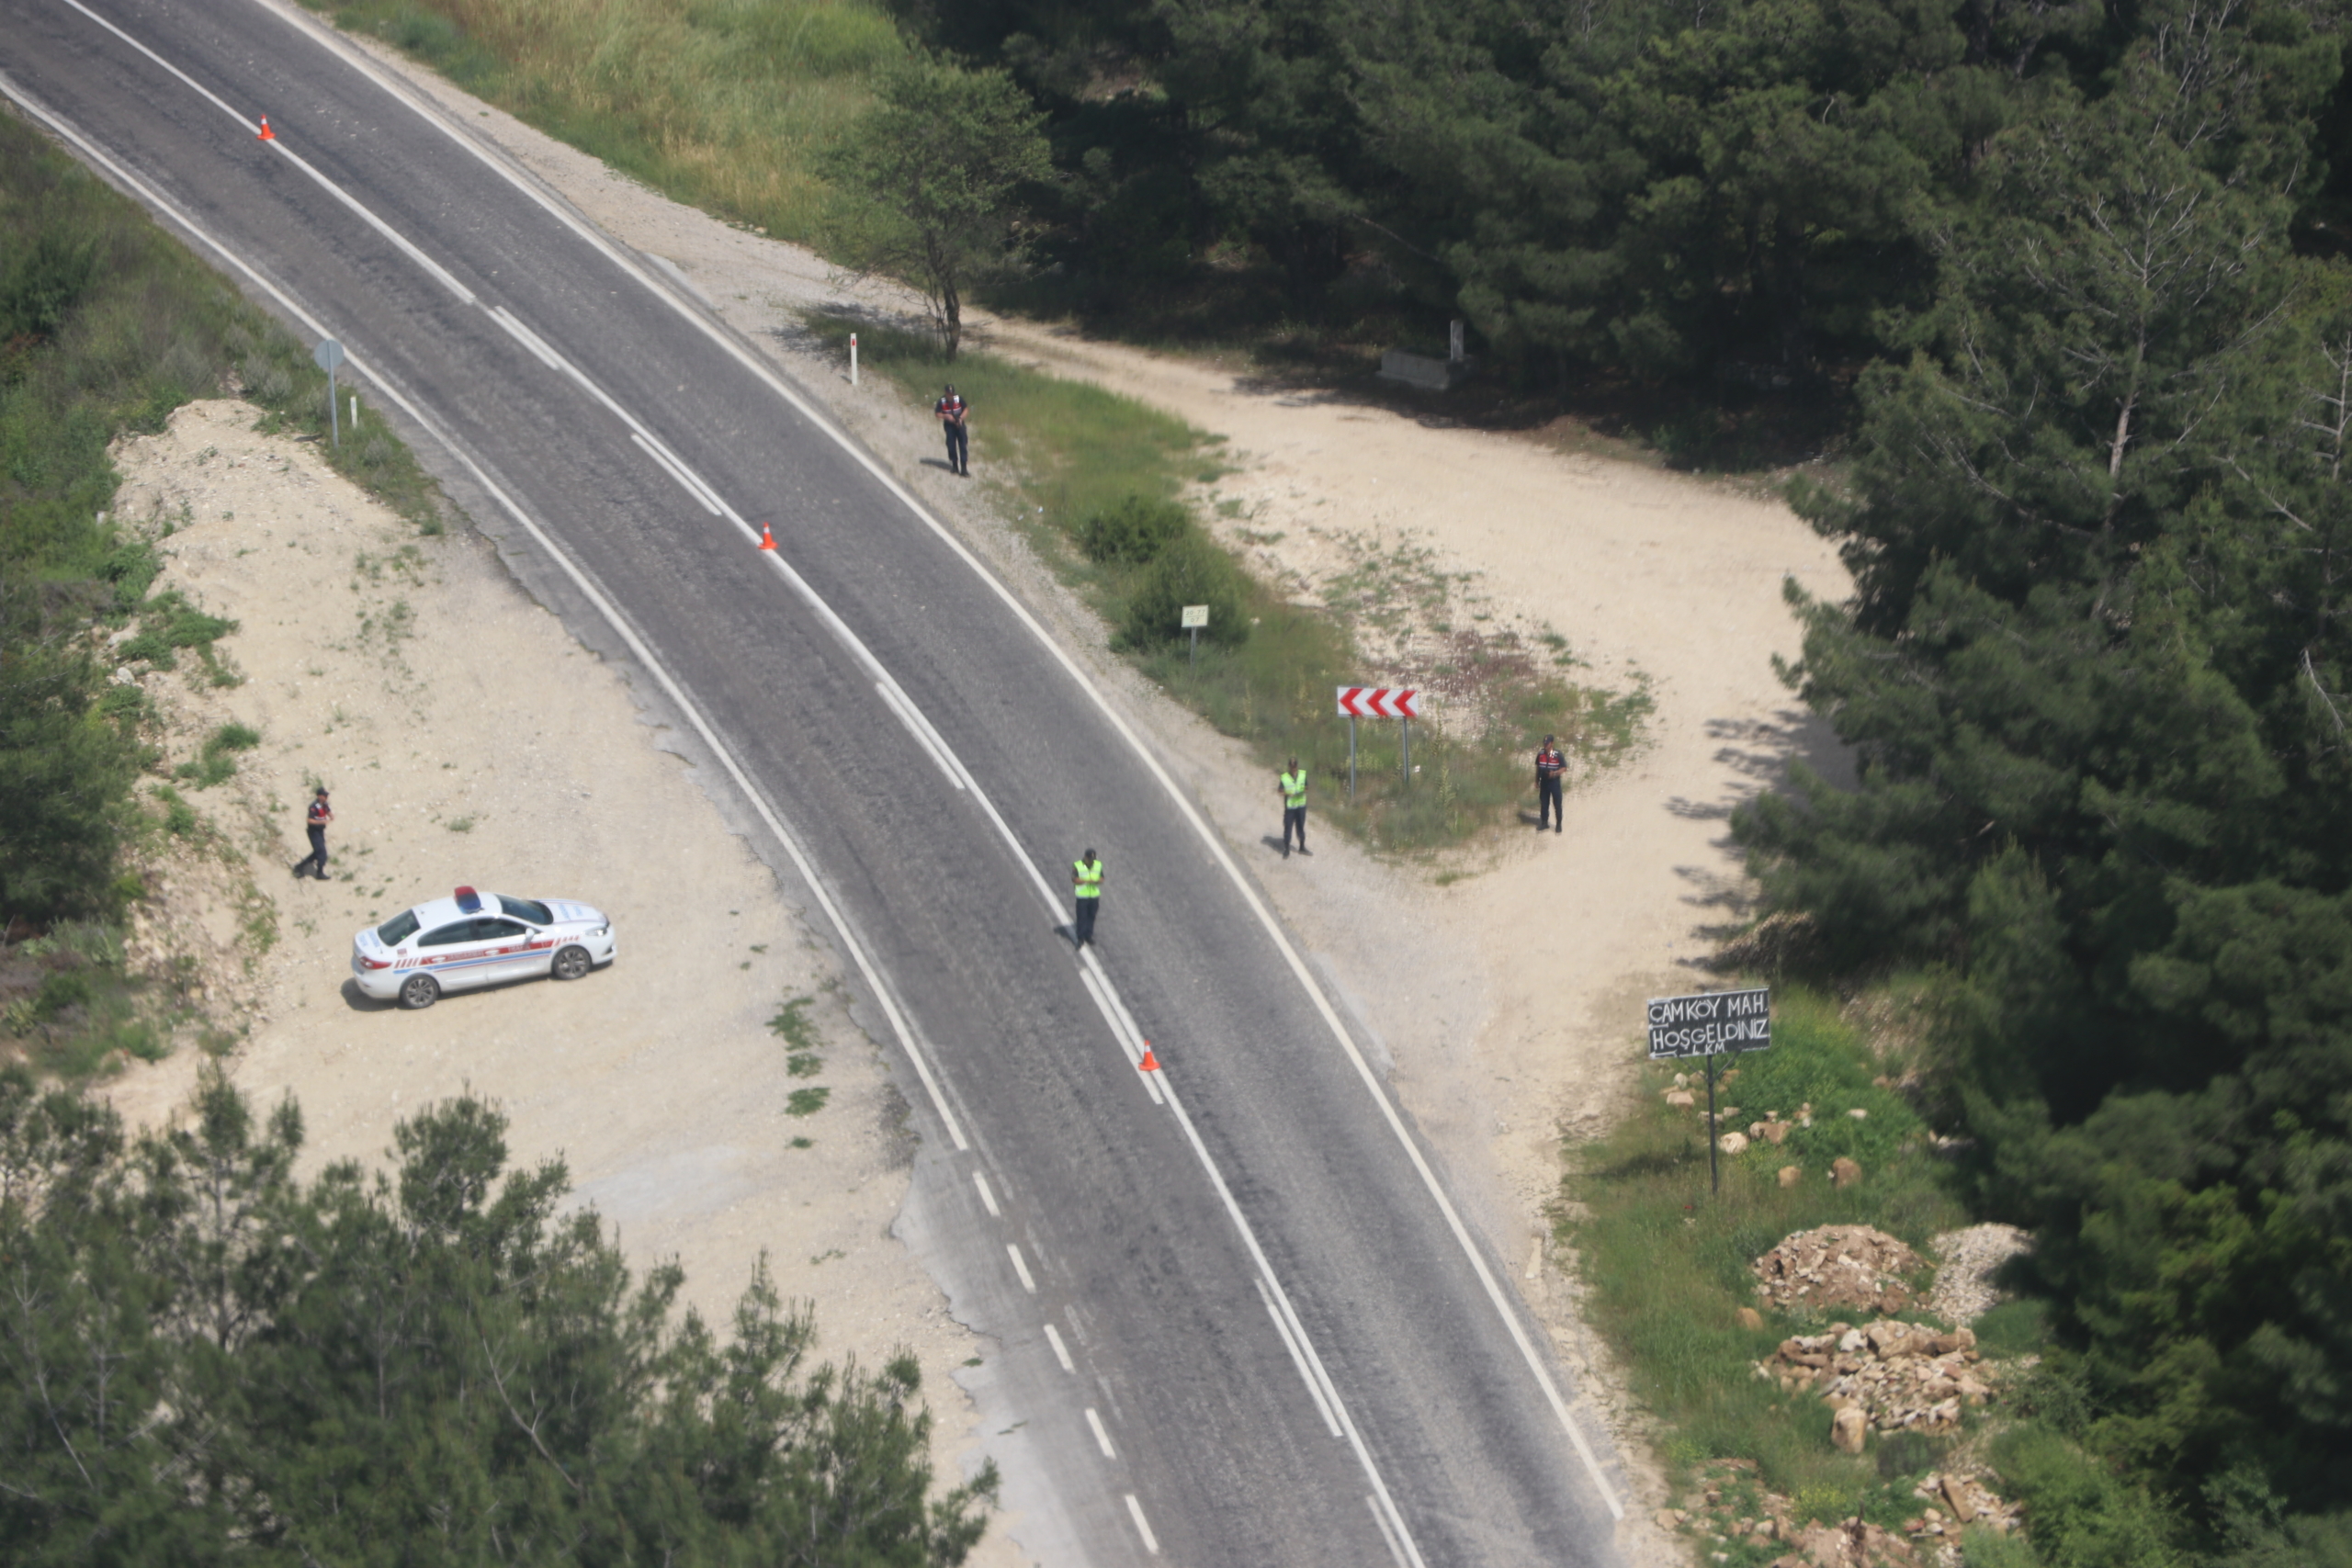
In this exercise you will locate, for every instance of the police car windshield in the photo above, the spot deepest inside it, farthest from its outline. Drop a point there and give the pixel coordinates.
(397, 929)
(525, 909)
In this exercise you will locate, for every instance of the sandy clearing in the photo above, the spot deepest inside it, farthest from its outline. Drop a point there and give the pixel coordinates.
(467, 737)
(1506, 1004)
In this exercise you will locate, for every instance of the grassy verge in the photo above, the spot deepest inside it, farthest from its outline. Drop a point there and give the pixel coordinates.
(723, 106)
(1668, 1264)
(106, 326)
(1668, 1267)
(1095, 480)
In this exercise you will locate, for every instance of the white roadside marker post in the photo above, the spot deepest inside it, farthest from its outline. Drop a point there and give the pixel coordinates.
(853, 359)
(326, 357)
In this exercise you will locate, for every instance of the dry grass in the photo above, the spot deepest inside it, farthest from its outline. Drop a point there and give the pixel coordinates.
(727, 105)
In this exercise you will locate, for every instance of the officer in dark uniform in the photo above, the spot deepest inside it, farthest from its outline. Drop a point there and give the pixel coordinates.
(953, 411)
(319, 817)
(1549, 766)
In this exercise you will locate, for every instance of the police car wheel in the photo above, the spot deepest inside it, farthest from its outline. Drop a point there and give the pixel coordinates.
(572, 963)
(420, 991)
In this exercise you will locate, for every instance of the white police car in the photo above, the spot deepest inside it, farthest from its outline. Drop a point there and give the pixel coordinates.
(477, 938)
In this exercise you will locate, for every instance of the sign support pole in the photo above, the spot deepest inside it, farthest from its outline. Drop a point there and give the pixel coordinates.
(335, 412)
(1352, 756)
(1408, 763)
(1714, 1179)
(1196, 657)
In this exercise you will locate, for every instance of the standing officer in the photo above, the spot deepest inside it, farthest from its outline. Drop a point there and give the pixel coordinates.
(1293, 789)
(320, 815)
(1549, 766)
(1086, 877)
(953, 411)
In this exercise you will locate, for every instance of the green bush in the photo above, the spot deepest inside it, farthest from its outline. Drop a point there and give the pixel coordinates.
(2080, 1513)
(44, 282)
(651, 1435)
(1132, 531)
(1833, 1074)
(1188, 570)
(65, 989)
(65, 775)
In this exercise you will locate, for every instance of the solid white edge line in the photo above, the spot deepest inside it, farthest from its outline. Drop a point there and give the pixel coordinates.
(1314, 1390)
(897, 706)
(653, 452)
(605, 607)
(1021, 1267)
(988, 1199)
(1142, 1526)
(1061, 1351)
(693, 313)
(1126, 1019)
(528, 339)
(702, 487)
(277, 145)
(1102, 1437)
(696, 316)
(1125, 1042)
(1386, 1533)
(1102, 1006)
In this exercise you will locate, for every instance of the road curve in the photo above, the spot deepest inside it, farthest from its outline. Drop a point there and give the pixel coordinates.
(1240, 1324)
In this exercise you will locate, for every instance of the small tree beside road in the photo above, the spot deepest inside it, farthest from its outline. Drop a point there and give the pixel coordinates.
(937, 162)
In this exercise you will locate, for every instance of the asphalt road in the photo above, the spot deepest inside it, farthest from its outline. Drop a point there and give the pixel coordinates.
(1068, 1211)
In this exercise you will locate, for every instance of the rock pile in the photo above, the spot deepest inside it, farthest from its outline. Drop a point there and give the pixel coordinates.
(1855, 1266)
(1956, 1502)
(1733, 1509)
(1891, 1375)
(1849, 1543)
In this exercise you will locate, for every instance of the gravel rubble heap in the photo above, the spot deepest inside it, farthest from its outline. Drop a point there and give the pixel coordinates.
(1838, 1266)
(1903, 1375)
(1967, 1261)
(1955, 1502)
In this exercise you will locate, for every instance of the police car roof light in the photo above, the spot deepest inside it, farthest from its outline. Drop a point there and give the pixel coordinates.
(469, 901)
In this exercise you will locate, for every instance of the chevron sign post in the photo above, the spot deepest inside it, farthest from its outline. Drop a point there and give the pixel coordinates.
(1379, 702)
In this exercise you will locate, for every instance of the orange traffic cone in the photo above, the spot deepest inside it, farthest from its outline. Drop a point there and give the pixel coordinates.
(767, 540)
(267, 134)
(1150, 1063)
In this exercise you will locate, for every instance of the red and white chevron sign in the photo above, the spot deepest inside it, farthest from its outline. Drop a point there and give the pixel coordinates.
(1379, 702)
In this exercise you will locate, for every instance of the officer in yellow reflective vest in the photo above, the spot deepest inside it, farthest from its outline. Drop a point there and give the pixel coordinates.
(1086, 877)
(1293, 789)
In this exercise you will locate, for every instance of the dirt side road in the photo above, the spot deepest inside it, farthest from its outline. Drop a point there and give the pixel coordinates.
(466, 738)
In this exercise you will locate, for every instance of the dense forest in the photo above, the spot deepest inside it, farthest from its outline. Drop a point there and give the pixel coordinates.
(206, 1359)
(1757, 191)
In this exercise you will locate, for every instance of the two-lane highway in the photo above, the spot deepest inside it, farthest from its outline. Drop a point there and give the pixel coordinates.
(1242, 1324)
